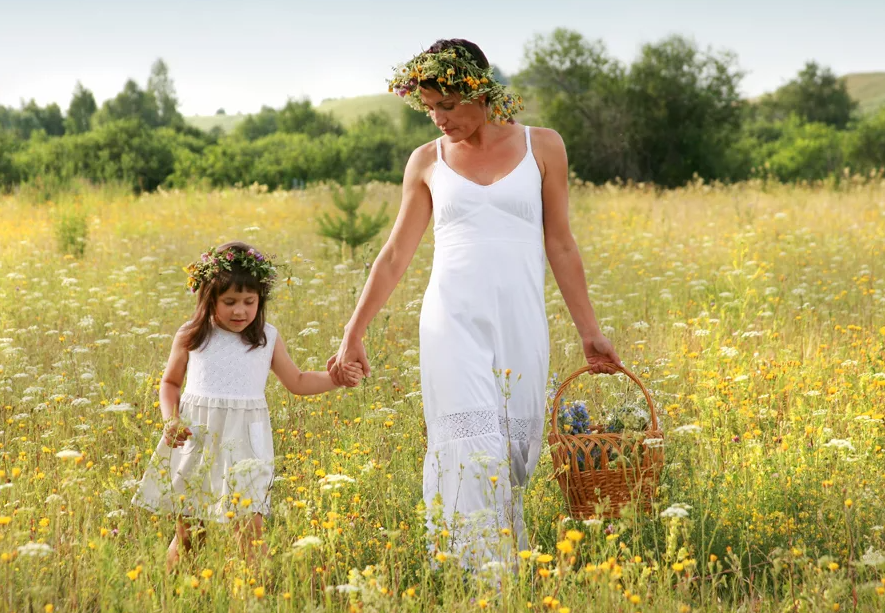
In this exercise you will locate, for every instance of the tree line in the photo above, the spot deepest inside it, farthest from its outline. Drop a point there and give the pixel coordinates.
(672, 115)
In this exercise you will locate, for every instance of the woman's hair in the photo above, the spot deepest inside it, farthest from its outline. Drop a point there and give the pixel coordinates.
(445, 44)
(197, 331)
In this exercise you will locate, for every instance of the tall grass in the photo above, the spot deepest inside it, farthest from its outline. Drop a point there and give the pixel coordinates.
(753, 312)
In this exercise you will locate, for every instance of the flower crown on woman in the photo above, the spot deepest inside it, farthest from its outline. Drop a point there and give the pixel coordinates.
(213, 262)
(454, 69)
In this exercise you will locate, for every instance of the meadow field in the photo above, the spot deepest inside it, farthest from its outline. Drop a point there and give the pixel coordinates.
(755, 314)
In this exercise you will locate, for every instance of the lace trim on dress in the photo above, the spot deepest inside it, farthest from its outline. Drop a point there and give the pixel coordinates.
(455, 426)
(197, 400)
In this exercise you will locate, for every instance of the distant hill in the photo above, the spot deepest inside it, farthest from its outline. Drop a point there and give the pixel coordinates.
(868, 88)
(207, 122)
(347, 110)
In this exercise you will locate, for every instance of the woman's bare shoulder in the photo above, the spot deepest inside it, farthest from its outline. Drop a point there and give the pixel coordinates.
(424, 156)
(421, 162)
(547, 138)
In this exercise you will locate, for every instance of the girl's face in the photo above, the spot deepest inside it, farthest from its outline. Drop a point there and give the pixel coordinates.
(235, 310)
(456, 120)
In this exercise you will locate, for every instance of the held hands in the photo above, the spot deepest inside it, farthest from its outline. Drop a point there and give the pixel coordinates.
(601, 354)
(174, 434)
(351, 355)
(348, 375)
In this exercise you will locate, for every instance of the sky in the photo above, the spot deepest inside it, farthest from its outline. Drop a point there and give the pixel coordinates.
(241, 55)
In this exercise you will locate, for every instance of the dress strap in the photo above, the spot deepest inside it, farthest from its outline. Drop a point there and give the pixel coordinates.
(438, 149)
(528, 139)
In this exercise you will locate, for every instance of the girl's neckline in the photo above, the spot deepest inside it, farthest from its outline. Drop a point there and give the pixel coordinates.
(217, 328)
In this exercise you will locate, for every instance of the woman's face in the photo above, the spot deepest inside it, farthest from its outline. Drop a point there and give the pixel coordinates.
(456, 120)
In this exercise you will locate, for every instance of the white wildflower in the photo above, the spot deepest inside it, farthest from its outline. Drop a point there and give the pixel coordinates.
(247, 466)
(873, 557)
(118, 408)
(335, 481)
(839, 443)
(676, 510)
(35, 549)
(307, 542)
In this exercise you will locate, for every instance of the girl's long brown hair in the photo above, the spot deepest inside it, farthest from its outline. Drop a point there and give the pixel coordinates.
(198, 330)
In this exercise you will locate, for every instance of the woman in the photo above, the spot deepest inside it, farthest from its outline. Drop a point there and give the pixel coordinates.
(498, 192)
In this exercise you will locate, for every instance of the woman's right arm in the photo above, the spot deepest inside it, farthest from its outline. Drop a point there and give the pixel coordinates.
(170, 392)
(394, 258)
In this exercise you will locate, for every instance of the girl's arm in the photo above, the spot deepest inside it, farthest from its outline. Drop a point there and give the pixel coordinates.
(170, 392)
(310, 382)
(562, 250)
(393, 259)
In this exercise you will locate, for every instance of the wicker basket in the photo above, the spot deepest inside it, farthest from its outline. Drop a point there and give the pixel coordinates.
(622, 483)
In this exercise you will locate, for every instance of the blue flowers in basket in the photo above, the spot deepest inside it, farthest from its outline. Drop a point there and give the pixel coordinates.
(629, 420)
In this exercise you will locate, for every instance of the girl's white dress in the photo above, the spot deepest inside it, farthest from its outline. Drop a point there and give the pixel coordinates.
(483, 313)
(231, 450)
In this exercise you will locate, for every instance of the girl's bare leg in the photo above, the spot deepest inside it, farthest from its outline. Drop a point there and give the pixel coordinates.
(182, 542)
(248, 531)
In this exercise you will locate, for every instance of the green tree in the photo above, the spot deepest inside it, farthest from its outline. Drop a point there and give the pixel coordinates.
(815, 95)
(352, 228)
(8, 170)
(685, 111)
(866, 144)
(80, 111)
(296, 117)
(160, 86)
(410, 119)
(51, 119)
(32, 118)
(258, 125)
(802, 152)
(300, 117)
(369, 148)
(580, 92)
(131, 103)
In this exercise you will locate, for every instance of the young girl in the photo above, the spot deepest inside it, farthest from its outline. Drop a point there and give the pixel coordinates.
(215, 460)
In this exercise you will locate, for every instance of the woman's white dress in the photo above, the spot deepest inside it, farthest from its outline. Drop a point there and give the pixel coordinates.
(231, 450)
(483, 313)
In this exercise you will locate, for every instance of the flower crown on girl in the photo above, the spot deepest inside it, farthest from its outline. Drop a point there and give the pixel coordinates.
(213, 262)
(454, 69)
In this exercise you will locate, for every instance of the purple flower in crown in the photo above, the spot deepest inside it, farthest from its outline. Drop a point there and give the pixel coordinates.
(259, 257)
(205, 257)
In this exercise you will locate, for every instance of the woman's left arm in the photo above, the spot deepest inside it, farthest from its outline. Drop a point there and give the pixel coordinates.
(562, 250)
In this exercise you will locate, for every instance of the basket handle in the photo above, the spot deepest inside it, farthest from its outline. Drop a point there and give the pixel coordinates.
(585, 369)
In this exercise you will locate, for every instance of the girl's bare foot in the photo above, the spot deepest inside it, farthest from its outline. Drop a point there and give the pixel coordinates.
(172, 556)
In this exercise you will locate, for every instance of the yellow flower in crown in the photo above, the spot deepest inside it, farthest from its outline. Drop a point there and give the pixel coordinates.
(454, 69)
